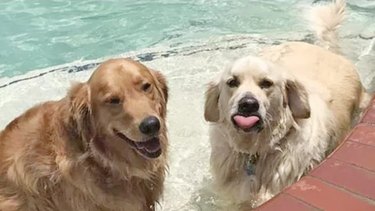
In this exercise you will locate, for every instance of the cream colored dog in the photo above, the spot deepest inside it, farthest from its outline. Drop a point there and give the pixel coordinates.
(276, 116)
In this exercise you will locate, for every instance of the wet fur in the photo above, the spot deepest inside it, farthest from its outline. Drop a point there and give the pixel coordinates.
(57, 156)
(309, 109)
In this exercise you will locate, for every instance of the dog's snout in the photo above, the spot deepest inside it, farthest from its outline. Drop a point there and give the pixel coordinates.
(150, 125)
(248, 105)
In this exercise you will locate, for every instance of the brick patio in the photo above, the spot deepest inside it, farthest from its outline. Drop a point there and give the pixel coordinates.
(345, 181)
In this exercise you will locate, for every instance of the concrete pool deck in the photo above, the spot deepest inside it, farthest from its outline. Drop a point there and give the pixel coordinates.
(344, 181)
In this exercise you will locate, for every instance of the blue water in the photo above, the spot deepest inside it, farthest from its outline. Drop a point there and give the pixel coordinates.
(42, 33)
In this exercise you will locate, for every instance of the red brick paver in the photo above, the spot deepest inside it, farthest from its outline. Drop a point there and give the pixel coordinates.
(327, 197)
(351, 178)
(286, 202)
(345, 181)
(358, 154)
(364, 134)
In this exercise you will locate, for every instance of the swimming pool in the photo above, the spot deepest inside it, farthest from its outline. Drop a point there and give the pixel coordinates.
(189, 41)
(37, 34)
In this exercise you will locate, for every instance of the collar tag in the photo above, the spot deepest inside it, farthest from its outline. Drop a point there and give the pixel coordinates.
(250, 164)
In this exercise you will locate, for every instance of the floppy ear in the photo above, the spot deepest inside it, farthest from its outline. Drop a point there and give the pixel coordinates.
(211, 107)
(297, 99)
(162, 87)
(81, 111)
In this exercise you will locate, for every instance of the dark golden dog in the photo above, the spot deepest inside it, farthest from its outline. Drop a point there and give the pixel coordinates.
(102, 147)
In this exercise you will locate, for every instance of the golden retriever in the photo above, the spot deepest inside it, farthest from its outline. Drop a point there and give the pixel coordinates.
(276, 116)
(102, 147)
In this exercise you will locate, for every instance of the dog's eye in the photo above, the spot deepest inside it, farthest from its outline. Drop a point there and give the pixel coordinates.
(113, 101)
(233, 82)
(265, 83)
(146, 87)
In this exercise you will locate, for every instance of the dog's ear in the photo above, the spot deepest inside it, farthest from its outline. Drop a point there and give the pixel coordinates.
(297, 99)
(162, 87)
(211, 106)
(163, 84)
(81, 111)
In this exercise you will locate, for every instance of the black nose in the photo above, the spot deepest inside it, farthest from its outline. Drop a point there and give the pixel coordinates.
(248, 105)
(150, 125)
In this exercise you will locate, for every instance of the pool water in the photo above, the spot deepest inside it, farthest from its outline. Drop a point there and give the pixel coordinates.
(189, 41)
(42, 33)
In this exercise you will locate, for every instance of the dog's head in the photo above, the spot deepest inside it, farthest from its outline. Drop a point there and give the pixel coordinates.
(253, 96)
(121, 111)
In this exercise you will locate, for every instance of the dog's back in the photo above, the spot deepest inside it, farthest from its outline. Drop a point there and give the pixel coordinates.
(325, 20)
(322, 68)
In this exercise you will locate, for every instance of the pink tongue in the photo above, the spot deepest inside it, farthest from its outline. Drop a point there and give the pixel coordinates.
(246, 122)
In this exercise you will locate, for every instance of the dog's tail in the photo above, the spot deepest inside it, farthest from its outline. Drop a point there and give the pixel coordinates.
(325, 20)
